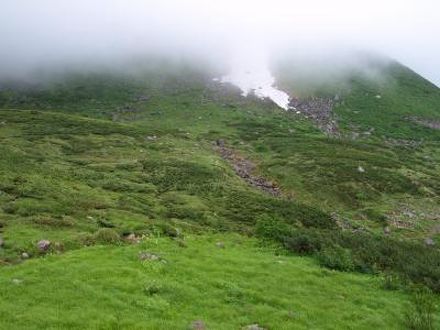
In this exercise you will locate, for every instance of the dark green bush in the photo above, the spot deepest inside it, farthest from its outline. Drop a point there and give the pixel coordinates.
(336, 257)
(271, 228)
(304, 242)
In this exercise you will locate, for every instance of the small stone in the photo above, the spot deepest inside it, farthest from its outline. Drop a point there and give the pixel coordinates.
(16, 281)
(220, 245)
(220, 143)
(43, 245)
(378, 96)
(361, 169)
(148, 256)
(253, 327)
(132, 238)
(24, 255)
(198, 325)
(429, 241)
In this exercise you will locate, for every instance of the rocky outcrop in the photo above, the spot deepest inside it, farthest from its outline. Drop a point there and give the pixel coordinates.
(245, 169)
(434, 124)
(319, 110)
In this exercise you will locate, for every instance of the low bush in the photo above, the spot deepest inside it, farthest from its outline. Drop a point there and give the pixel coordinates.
(106, 236)
(336, 257)
(304, 242)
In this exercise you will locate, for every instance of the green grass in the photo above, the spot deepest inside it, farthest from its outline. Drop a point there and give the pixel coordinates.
(79, 169)
(105, 287)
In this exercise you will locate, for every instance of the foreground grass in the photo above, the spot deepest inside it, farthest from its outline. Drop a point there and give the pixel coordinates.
(109, 287)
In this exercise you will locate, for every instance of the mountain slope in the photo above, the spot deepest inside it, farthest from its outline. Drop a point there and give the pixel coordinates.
(116, 158)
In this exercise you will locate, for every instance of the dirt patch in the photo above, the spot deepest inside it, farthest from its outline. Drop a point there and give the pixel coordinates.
(244, 168)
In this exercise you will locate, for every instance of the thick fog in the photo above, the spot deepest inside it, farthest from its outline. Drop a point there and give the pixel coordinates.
(67, 32)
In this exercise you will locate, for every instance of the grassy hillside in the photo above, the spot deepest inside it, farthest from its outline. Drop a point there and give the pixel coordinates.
(111, 158)
(227, 287)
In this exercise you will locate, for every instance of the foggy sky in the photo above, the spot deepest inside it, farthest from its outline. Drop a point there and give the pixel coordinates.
(64, 31)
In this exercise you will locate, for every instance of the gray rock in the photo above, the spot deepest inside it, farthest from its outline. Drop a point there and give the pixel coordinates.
(220, 143)
(132, 238)
(143, 98)
(198, 325)
(43, 245)
(429, 241)
(24, 255)
(253, 327)
(387, 230)
(148, 256)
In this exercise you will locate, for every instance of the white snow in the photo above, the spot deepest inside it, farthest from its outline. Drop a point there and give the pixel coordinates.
(254, 75)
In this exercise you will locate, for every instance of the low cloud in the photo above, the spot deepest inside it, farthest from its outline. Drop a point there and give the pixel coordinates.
(62, 32)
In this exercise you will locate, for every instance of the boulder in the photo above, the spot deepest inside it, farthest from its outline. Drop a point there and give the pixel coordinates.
(198, 325)
(132, 238)
(220, 143)
(148, 256)
(253, 327)
(429, 241)
(43, 245)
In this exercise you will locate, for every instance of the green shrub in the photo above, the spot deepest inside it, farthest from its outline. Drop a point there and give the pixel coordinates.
(271, 228)
(337, 258)
(106, 236)
(420, 313)
(304, 242)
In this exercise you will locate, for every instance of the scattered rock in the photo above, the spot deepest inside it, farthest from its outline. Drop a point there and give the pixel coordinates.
(198, 325)
(132, 238)
(427, 122)
(43, 245)
(319, 110)
(24, 255)
(148, 256)
(151, 138)
(244, 168)
(143, 98)
(220, 143)
(429, 241)
(220, 245)
(253, 327)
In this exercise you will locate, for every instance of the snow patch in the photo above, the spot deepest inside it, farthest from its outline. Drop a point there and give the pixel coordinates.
(253, 75)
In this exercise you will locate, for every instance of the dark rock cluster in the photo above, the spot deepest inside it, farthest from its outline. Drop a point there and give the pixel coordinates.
(244, 168)
(319, 110)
